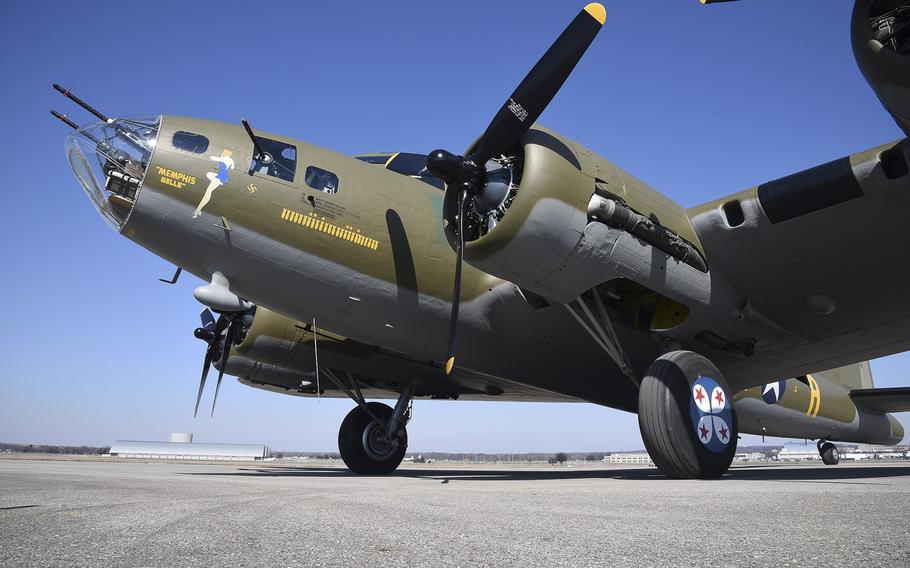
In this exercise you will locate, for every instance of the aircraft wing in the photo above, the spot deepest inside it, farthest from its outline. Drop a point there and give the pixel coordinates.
(822, 255)
(895, 399)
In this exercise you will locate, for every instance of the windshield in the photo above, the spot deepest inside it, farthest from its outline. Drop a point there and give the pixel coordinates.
(406, 164)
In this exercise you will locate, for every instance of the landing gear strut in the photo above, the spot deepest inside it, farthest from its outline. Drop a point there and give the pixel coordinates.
(686, 416)
(828, 452)
(373, 437)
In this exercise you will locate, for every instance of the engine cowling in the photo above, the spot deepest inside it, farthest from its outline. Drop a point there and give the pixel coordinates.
(880, 34)
(539, 224)
(278, 350)
(571, 220)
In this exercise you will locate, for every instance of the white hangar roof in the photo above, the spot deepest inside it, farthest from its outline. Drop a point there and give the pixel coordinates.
(133, 448)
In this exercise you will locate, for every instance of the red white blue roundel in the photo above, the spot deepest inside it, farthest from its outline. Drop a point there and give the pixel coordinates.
(711, 415)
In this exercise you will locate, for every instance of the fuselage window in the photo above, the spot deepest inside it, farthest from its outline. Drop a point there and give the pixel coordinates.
(321, 179)
(189, 142)
(280, 161)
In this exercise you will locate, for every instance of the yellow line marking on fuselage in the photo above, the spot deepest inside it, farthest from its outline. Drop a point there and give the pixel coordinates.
(815, 397)
(314, 222)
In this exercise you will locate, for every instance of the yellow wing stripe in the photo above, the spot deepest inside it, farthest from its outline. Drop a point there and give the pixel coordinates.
(314, 222)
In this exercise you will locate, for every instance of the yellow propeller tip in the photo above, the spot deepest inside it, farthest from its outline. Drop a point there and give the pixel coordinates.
(449, 364)
(597, 11)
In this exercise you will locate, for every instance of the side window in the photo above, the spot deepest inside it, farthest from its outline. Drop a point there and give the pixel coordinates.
(189, 142)
(321, 179)
(281, 161)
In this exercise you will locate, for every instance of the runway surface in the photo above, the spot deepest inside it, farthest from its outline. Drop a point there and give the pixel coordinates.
(71, 513)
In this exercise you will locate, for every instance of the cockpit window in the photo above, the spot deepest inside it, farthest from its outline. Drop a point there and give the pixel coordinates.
(321, 179)
(189, 142)
(281, 161)
(405, 163)
(375, 158)
(415, 166)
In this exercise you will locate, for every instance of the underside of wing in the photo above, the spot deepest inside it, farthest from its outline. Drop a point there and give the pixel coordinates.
(821, 255)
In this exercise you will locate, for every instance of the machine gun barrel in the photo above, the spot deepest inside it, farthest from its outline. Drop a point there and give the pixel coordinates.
(63, 118)
(80, 102)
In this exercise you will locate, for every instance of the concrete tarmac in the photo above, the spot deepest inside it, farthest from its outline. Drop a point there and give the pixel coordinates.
(71, 513)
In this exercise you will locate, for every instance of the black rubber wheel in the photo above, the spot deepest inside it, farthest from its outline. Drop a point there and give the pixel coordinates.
(362, 445)
(686, 416)
(829, 453)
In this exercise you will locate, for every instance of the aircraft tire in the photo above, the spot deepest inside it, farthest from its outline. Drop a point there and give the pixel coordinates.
(359, 444)
(687, 434)
(829, 453)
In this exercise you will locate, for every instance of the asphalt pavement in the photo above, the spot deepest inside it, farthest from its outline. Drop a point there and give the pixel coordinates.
(93, 513)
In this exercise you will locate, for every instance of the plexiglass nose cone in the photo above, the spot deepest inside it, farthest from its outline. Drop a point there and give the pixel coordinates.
(110, 160)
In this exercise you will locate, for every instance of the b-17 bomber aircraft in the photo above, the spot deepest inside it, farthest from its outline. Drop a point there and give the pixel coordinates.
(529, 268)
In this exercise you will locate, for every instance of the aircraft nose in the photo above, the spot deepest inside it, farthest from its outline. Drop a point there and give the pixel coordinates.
(110, 159)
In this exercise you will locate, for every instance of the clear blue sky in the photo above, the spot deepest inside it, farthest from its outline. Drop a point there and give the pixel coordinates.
(698, 101)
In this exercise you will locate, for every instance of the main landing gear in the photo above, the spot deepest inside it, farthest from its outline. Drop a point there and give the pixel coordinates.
(373, 437)
(686, 416)
(828, 452)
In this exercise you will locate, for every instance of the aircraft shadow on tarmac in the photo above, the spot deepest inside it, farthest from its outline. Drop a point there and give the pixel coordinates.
(752, 473)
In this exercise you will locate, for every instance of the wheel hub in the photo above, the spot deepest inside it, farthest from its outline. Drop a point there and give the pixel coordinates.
(376, 444)
(710, 414)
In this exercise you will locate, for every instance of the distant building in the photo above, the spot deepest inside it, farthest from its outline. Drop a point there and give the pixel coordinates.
(798, 453)
(748, 456)
(639, 458)
(874, 452)
(181, 447)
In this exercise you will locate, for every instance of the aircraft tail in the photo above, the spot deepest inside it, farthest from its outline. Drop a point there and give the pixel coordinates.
(858, 379)
(840, 404)
(855, 376)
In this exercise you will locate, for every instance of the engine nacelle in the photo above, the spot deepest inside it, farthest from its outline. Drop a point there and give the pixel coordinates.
(880, 34)
(280, 351)
(542, 223)
(572, 220)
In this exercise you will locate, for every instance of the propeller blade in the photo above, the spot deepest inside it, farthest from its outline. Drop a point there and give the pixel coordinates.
(208, 319)
(540, 85)
(210, 332)
(465, 174)
(225, 355)
(205, 373)
(456, 290)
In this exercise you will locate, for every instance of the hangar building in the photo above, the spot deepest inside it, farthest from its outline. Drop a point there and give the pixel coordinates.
(181, 447)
